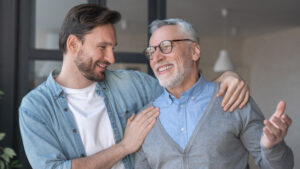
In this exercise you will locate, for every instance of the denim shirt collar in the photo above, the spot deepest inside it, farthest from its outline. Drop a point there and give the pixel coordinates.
(58, 91)
(194, 91)
(52, 84)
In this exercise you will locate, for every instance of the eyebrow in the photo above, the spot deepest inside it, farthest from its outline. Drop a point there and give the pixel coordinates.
(107, 43)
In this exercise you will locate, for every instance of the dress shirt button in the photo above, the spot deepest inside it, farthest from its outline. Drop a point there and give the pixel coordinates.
(192, 97)
(181, 106)
(182, 129)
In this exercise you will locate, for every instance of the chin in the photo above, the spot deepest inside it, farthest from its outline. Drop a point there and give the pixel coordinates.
(167, 83)
(99, 77)
(171, 81)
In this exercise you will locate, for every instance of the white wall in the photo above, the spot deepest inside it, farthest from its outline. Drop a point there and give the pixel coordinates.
(274, 62)
(270, 64)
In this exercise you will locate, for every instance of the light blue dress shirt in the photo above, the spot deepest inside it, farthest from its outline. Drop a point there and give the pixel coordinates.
(180, 116)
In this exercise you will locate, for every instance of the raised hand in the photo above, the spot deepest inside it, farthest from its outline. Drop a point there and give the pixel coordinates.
(276, 127)
(138, 126)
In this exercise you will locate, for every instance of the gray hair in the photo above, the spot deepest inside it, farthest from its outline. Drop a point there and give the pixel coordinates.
(185, 27)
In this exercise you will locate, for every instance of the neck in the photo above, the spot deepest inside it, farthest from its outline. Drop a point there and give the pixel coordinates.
(70, 76)
(187, 83)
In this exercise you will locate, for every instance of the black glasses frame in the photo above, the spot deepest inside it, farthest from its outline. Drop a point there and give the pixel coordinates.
(149, 48)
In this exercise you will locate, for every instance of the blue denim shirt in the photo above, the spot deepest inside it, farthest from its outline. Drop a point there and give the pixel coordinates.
(179, 117)
(49, 132)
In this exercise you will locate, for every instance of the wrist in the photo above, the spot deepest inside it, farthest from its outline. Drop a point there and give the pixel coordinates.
(123, 148)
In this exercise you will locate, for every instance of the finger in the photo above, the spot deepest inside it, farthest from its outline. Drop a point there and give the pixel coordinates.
(286, 119)
(238, 101)
(235, 95)
(273, 129)
(151, 114)
(149, 127)
(148, 122)
(269, 135)
(245, 99)
(144, 112)
(131, 118)
(280, 109)
(279, 124)
(222, 90)
(228, 95)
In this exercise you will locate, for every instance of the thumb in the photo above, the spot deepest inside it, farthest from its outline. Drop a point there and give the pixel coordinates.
(131, 118)
(280, 109)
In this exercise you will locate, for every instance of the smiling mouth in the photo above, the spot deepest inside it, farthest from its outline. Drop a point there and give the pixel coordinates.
(164, 68)
(101, 65)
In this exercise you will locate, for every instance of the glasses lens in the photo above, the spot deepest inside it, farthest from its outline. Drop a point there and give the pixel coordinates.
(165, 46)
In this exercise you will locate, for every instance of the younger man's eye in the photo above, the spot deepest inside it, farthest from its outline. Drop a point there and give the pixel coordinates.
(102, 47)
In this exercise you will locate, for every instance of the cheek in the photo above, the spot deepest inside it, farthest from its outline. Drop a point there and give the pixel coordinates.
(152, 64)
(179, 61)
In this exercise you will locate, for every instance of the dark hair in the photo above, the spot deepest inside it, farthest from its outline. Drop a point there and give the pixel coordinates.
(83, 18)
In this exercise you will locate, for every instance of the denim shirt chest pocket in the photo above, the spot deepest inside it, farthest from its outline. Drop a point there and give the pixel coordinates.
(126, 112)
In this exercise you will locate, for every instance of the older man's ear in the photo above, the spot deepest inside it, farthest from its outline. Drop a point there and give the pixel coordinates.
(196, 51)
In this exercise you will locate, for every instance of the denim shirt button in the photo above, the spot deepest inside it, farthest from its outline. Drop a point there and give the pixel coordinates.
(74, 130)
(127, 112)
(82, 155)
(104, 88)
(65, 109)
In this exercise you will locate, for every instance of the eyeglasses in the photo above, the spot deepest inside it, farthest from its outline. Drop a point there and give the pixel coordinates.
(165, 47)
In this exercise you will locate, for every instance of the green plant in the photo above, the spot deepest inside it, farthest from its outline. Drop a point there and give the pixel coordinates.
(7, 154)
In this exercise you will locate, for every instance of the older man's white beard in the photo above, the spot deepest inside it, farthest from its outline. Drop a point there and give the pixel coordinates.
(172, 81)
(175, 80)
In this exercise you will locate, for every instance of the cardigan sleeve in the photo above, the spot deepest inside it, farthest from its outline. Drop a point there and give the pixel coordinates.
(278, 157)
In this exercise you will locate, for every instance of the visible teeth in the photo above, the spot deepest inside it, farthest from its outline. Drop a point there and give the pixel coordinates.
(101, 65)
(164, 68)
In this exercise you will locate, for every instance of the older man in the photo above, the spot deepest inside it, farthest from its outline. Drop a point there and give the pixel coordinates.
(192, 130)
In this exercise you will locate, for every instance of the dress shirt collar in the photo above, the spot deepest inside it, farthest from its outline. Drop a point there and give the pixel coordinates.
(193, 92)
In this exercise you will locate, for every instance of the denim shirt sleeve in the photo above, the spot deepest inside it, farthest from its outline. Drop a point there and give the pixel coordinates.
(41, 146)
(151, 86)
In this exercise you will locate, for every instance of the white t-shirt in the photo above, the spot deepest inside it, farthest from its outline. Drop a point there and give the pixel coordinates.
(92, 120)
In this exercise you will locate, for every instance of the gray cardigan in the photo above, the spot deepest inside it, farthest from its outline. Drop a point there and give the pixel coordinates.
(221, 140)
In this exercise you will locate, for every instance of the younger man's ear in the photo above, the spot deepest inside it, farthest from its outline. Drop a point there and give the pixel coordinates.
(73, 44)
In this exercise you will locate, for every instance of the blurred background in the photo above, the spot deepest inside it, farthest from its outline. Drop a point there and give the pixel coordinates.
(259, 39)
